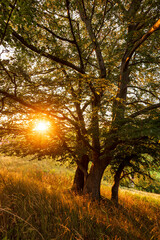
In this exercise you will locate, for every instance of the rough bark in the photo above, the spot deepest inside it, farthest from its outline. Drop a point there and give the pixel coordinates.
(80, 177)
(92, 185)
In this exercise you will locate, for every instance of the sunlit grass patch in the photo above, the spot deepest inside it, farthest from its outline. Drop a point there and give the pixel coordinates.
(39, 205)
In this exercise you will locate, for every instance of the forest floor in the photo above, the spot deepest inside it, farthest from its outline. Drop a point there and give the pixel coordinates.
(36, 203)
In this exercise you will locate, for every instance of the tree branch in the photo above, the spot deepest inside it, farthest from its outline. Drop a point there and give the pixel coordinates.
(144, 110)
(2, 100)
(10, 77)
(93, 38)
(37, 109)
(19, 100)
(45, 54)
(93, 8)
(104, 14)
(72, 31)
(138, 101)
(145, 90)
(154, 28)
(55, 35)
(13, 7)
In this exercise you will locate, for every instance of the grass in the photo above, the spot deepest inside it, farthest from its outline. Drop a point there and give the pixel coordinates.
(37, 204)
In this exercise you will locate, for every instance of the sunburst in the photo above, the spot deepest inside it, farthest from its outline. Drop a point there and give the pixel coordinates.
(41, 126)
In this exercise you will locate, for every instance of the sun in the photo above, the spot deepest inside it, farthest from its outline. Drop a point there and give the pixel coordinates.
(41, 126)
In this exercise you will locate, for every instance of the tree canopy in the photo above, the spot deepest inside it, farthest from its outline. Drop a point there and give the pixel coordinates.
(92, 68)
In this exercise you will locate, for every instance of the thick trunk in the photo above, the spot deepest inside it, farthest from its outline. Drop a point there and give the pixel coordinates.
(80, 178)
(92, 185)
(119, 104)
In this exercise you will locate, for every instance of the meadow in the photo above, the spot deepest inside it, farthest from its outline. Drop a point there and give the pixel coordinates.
(36, 203)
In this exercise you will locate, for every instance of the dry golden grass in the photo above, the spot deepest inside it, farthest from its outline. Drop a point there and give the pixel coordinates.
(37, 205)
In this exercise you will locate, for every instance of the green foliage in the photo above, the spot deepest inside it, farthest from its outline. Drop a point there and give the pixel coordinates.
(91, 68)
(142, 183)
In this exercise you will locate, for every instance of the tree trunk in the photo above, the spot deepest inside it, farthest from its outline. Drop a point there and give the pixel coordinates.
(92, 185)
(80, 178)
(115, 189)
(117, 178)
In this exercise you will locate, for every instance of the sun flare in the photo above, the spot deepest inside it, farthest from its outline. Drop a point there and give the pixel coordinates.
(41, 126)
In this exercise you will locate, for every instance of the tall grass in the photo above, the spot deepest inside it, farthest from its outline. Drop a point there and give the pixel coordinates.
(37, 205)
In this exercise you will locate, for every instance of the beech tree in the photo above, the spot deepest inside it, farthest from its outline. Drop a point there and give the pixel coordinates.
(102, 84)
(139, 156)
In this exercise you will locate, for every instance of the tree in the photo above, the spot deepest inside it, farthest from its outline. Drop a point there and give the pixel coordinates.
(138, 156)
(101, 58)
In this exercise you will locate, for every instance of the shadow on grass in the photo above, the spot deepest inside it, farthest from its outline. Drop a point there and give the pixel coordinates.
(39, 211)
(143, 223)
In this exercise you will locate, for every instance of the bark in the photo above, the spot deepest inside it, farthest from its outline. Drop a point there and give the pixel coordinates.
(80, 176)
(117, 179)
(119, 104)
(92, 185)
(95, 128)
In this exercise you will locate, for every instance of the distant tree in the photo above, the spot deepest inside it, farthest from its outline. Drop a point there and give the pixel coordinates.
(102, 85)
(134, 158)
